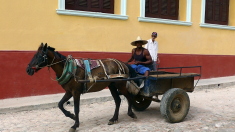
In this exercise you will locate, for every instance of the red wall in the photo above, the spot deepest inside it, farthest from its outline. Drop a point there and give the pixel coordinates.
(15, 82)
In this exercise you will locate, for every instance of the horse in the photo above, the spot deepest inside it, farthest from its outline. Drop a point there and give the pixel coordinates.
(46, 56)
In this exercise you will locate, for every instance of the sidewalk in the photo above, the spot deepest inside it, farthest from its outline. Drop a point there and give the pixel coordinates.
(50, 101)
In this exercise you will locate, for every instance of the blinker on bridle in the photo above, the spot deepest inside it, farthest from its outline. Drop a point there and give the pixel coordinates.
(44, 58)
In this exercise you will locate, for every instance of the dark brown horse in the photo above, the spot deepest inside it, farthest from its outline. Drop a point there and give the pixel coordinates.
(47, 57)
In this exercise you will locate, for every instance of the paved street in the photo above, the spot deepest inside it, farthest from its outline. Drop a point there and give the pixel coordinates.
(211, 110)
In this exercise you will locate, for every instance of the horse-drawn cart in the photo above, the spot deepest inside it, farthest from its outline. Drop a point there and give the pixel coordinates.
(76, 78)
(175, 102)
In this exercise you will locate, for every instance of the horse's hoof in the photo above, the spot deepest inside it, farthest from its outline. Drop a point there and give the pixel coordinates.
(112, 122)
(71, 130)
(133, 116)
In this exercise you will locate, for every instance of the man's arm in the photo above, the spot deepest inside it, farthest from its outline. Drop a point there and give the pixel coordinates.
(132, 56)
(148, 57)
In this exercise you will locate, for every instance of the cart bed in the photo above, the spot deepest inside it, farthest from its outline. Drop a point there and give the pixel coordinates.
(182, 75)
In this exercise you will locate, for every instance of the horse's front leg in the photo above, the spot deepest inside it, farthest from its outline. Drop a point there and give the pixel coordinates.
(76, 98)
(65, 98)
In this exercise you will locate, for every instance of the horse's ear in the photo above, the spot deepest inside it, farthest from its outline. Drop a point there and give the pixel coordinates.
(45, 47)
(41, 44)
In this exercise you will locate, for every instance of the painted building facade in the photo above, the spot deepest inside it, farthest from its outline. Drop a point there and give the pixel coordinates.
(187, 41)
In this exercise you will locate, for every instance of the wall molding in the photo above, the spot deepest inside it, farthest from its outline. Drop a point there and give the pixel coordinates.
(188, 22)
(62, 11)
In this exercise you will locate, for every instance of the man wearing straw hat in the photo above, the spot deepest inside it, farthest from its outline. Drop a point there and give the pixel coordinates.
(141, 56)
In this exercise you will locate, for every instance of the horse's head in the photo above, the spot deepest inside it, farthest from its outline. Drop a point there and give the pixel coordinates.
(39, 60)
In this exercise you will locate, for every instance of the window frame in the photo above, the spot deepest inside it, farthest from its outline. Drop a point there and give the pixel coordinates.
(62, 11)
(188, 22)
(208, 25)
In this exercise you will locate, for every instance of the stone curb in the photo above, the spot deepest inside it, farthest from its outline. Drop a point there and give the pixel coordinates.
(96, 100)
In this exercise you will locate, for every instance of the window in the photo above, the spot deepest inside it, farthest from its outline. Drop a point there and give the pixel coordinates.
(167, 9)
(104, 6)
(217, 12)
(90, 8)
(166, 12)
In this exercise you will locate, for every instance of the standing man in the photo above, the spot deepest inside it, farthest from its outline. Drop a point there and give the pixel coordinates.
(152, 47)
(141, 57)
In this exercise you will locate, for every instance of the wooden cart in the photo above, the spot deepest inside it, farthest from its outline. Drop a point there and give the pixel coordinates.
(175, 103)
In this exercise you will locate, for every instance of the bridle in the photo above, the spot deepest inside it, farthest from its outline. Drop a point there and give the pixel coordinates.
(45, 60)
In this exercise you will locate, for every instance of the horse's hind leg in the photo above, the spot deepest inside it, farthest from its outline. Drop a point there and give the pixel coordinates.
(117, 100)
(65, 98)
(122, 89)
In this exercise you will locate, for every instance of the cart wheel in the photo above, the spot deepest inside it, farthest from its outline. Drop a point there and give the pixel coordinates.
(175, 105)
(140, 103)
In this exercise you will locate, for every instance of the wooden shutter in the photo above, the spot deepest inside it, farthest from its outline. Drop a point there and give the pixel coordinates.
(167, 9)
(164, 5)
(95, 5)
(217, 11)
(82, 5)
(155, 7)
(174, 8)
(225, 11)
(152, 8)
(70, 4)
(147, 10)
(108, 6)
(105, 6)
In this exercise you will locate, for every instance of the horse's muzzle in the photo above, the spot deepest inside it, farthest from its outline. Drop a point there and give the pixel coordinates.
(30, 70)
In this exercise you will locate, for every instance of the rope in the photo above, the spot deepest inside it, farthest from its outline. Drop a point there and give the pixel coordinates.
(53, 63)
(50, 74)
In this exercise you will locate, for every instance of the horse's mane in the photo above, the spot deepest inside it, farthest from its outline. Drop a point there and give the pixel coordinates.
(57, 54)
(60, 55)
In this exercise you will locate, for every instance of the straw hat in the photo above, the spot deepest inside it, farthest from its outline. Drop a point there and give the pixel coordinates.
(139, 40)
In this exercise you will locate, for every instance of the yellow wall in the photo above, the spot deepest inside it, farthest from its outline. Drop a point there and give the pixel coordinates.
(25, 24)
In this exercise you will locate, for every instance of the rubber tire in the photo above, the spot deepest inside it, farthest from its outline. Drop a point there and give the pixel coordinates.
(166, 105)
(140, 103)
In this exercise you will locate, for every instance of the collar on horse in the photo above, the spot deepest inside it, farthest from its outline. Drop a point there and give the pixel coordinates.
(70, 69)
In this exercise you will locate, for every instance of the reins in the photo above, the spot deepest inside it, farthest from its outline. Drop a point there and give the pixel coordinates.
(54, 64)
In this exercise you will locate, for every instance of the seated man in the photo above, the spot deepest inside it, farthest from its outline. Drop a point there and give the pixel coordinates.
(141, 56)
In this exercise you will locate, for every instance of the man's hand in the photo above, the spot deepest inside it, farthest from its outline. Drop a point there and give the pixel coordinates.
(158, 60)
(137, 62)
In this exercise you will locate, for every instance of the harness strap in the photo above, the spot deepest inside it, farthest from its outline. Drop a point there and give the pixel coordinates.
(102, 64)
(88, 70)
(119, 66)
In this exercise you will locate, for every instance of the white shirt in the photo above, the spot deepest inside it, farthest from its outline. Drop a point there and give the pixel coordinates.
(152, 48)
